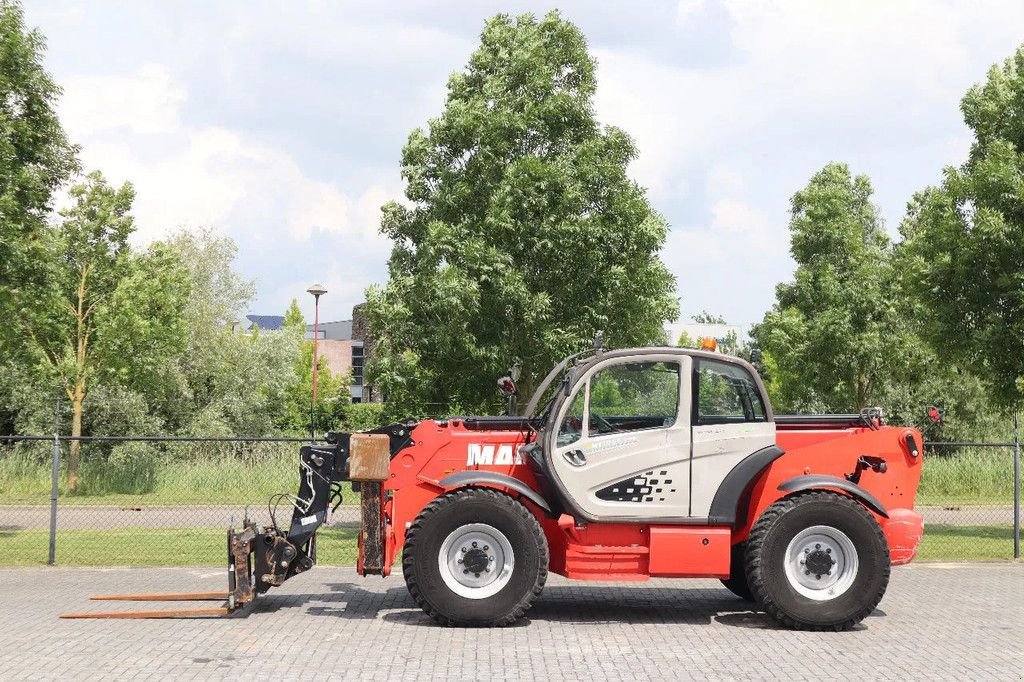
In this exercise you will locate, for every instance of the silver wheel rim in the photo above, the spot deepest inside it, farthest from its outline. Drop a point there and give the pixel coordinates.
(808, 555)
(476, 561)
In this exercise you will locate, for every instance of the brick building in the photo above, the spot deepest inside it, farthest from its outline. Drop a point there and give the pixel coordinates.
(345, 346)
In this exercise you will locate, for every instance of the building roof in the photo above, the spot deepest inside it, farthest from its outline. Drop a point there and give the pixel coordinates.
(336, 330)
(265, 322)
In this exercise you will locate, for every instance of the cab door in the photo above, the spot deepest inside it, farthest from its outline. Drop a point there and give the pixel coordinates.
(622, 446)
(730, 422)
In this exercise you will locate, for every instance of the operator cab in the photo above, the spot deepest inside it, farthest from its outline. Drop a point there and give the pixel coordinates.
(649, 434)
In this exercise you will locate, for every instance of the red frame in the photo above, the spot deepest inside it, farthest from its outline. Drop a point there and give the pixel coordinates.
(637, 551)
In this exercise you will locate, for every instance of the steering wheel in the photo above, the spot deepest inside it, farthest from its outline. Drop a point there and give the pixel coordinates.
(603, 425)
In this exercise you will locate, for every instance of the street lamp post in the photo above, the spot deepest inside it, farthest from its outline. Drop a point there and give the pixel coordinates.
(317, 290)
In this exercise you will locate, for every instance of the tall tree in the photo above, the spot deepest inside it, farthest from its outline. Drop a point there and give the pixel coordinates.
(523, 234)
(294, 319)
(35, 156)
(226, 382)
(332, 395)
(218, 296)
(963, 246)
(102, 312)
(830, 334)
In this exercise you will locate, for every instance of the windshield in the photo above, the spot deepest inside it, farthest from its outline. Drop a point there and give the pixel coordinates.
(553, 382)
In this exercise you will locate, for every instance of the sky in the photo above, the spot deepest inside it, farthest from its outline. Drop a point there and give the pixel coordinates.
(281, 124)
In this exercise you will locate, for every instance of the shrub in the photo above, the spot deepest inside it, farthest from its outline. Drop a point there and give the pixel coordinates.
(131, 468)
(362, 417)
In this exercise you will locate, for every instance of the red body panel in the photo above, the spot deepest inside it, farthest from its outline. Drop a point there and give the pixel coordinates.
(628, 551)
(689, 551)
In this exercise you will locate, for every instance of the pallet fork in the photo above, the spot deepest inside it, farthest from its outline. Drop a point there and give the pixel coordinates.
(240, 545)
(261, 558)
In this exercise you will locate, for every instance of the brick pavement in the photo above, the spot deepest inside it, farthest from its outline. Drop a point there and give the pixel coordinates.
(938, 621)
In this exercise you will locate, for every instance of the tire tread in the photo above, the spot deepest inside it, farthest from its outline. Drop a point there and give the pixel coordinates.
(495, 498)
(755, 561)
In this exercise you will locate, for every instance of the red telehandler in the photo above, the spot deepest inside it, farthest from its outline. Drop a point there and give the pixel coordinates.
(644, 462)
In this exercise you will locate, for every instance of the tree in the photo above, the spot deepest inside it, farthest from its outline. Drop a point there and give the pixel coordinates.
(226, 382)
(964, 240)
(704, 317)
(332, 396)
(102, 312)
(218, 296)
(833, 334)
(293, 318)
(523, 234)
(35, 156)
(728, 344)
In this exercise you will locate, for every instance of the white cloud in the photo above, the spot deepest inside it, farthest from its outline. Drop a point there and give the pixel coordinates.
(687, 11)
(145, 102)
(281, 126)
(724, 141)
(737, 233)
(130, 127)
(797, 65)
(724, 180)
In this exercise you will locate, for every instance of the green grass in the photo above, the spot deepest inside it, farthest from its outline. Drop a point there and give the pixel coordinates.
(974, 477)
(150, 547)
(219, 474)
(218, 479)
(966, 543)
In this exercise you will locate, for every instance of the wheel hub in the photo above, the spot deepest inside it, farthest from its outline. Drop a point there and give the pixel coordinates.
(476, 561)
(821, 563)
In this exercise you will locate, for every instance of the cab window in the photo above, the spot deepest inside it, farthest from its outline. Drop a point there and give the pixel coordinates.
(725, 394)
(633, 396)
(572, 424)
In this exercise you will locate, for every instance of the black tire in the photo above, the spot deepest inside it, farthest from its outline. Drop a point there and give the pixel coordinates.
(767, 559)
(425, 539)
(737, 580)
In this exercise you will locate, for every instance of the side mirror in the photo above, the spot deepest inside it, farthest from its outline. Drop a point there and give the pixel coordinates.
(935, 414)
(507, 386)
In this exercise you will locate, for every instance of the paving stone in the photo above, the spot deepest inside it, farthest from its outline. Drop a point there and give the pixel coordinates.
(937, 621)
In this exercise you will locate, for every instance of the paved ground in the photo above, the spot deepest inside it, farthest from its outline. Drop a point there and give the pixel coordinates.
(938, 621)
(69, 517)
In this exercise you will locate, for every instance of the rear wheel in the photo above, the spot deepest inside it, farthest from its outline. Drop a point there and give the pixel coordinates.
(475, 557)
(817, 561)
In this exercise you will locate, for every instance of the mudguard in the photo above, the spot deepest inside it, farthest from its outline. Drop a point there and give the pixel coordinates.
(725, 505)
(462, 479)
(812, 481)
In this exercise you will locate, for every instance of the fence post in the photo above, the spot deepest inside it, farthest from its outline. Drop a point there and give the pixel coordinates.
(1016, 486)
(54, 480)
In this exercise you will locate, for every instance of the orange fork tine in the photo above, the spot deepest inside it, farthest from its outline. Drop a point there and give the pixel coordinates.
(168, 613)
(163, 596)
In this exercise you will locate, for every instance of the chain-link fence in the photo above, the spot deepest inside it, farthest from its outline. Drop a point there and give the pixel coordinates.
(969, 496)
(164, 500)
(149, 501)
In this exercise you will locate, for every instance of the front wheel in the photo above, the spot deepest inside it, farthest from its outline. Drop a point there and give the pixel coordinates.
(475, 557)
(817, 561)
